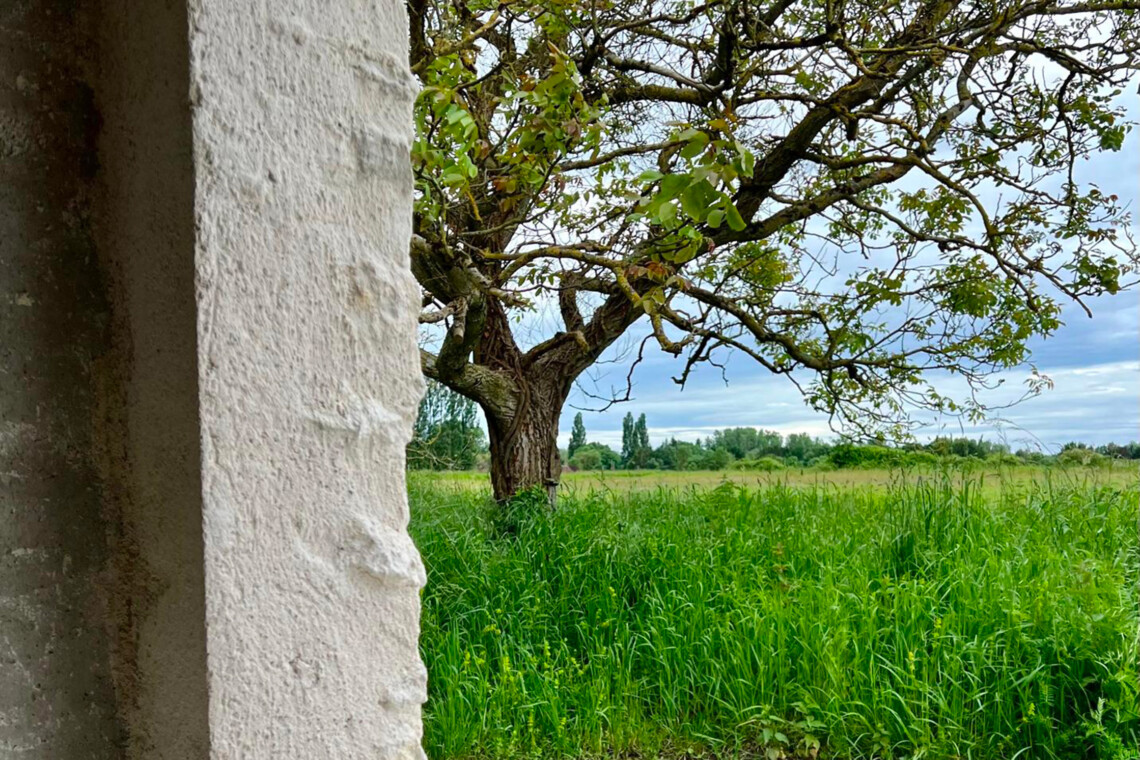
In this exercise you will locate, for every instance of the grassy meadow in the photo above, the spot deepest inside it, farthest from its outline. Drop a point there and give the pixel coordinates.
(844, 614)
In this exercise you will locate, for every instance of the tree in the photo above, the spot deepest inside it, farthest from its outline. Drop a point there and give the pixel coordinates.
(595, 456)
(744, 442)
(716, 459)
(577, 435)
(852, 194)
(640, 450)
(446, 435)
(628, 440)
(679, 455)
(802, 447)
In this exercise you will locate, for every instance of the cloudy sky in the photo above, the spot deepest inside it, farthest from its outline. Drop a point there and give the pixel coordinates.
(1094, 364)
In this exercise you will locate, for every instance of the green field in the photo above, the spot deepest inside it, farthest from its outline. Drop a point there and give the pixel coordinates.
(850, 615)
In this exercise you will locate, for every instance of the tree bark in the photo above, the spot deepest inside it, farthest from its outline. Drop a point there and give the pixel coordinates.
(524, 447)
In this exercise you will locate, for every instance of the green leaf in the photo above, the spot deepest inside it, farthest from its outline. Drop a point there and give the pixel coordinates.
(696, 145)
(673, 185)
(1112, 138)
(735, 220)
(716, 216)
(747, 161)
(695, 200)
(454, 175)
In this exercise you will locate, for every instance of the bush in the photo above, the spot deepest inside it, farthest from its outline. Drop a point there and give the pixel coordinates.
(595, 456)
(1081, 457)
(716, 459)
(586, 460)
(763, 464)
(1003, 460)
(850, 455)
(822, 463)
(918, 459)
(853, 456)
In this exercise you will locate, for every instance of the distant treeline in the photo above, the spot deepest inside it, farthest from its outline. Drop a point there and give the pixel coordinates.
(447, 436)
(746, 448)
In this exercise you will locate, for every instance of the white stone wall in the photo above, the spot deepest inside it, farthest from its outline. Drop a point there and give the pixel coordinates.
(309, 377)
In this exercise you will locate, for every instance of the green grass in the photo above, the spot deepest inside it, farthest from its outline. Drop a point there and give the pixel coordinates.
(930, 619)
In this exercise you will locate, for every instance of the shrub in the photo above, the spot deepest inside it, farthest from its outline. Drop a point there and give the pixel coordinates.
(1003, 460)
(763, 464)
(1082, 457)
(595, 456)
(716, 459)
(849, 455)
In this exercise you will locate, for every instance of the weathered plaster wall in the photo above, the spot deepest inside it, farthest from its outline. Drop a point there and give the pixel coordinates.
(309, 377)
(56, 697)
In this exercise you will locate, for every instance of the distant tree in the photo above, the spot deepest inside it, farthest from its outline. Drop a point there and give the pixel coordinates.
(802, 447)
(595, 456)
(628, 442)
(446, 435)
(641, 450)
(748, 442)
(1120, 451)
(978, 448)
(716, 459)
(679, 455)
(577, 435)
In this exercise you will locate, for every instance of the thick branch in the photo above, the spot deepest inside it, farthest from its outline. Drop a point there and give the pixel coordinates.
(493, 390)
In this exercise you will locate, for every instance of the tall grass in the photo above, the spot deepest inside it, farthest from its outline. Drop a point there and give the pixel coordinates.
(925, 620)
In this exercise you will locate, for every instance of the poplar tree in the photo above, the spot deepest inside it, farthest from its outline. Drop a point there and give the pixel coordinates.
(577, 435)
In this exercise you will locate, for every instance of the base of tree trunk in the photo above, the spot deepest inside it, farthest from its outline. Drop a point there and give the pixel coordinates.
(525, 456)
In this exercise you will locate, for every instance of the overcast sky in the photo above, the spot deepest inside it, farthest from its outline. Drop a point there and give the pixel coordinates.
(1093, 363)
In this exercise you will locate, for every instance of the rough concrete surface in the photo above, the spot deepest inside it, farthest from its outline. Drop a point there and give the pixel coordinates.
(56, 697)
(309, 377)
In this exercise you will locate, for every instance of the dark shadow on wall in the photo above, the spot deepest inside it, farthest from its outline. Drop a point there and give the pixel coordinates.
(102, 639)
(146, 236)
(56, 693)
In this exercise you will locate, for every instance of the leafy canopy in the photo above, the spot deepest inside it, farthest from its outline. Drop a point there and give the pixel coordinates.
(851, 193)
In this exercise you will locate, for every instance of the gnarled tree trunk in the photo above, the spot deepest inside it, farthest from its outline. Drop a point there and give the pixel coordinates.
(521, 392)
(524, 446)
